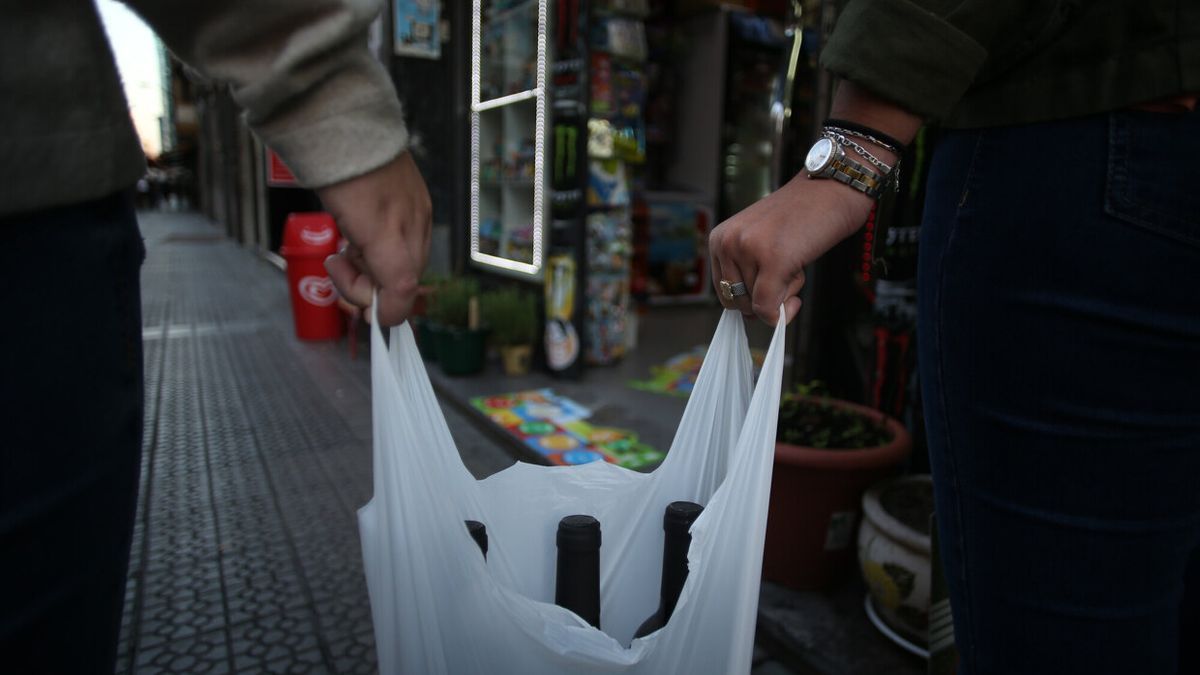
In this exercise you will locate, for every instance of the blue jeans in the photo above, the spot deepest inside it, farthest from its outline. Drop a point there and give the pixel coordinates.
(1060, 359)
(71, 396)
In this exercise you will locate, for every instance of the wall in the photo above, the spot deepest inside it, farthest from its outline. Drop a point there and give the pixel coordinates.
(435, 95)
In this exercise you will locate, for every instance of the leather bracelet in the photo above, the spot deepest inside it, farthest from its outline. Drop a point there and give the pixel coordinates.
(876, 135)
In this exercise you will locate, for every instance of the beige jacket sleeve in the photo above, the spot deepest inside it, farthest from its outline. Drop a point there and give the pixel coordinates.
(302, 71)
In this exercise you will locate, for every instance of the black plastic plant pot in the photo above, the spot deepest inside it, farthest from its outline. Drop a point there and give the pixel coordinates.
(427, 336)
(461, 351)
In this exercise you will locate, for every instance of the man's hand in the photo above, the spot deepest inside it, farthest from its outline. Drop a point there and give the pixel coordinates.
(386, 216)
(767, 245)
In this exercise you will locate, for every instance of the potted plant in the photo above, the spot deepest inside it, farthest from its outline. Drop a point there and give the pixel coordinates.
(511, 317)
(894, 556)
(459, 340)
(827, 453)
(424, 326)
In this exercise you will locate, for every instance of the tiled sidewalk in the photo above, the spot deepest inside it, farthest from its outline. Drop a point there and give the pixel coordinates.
(246, 555)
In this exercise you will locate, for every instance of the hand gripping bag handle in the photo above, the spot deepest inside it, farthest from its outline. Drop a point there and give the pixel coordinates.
(438, 608)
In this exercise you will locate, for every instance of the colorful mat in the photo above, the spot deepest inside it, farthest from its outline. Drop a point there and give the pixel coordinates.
(556, 427)
(677, 376)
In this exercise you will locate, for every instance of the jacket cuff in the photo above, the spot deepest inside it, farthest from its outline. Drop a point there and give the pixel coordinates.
(904, 53)
(349, 125)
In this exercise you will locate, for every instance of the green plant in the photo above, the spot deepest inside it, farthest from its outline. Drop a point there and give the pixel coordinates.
(432, 280)
(511, 315)
(450, 305)
(807, 417)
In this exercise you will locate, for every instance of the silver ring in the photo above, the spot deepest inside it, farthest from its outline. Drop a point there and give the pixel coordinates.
(731, 290)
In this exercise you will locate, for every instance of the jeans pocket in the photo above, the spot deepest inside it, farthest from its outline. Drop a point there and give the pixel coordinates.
(1151, 169)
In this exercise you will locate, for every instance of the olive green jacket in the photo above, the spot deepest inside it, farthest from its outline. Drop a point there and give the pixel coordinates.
(301, 69)
(974, 63)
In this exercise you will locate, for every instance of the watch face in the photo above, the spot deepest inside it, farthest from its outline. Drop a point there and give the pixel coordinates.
(818, 155)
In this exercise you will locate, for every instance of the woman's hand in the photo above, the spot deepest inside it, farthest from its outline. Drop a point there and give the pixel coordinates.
(767, 245)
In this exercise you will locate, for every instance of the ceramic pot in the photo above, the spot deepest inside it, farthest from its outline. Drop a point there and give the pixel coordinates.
(894, 554)
(816, 502)
(516, 359)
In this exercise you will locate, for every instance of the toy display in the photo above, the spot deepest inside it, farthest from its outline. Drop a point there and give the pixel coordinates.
(556, 428)
(678, 375)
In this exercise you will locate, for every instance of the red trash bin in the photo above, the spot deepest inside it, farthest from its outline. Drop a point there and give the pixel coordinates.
(308, 239)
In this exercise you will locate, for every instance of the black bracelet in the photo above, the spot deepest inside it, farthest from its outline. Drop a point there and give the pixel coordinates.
(897, 146)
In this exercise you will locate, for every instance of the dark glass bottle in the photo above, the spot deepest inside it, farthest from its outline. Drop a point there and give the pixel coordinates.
(677, 520)
(577, 585)
(479, 534)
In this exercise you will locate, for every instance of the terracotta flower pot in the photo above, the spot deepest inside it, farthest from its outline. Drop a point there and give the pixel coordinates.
(816, 504)
(894, 554)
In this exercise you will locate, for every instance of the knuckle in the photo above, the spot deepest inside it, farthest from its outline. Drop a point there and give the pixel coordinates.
(406, 285)
(745, 244)
(716, 238)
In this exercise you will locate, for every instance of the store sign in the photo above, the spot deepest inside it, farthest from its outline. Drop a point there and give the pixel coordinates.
(278, 175)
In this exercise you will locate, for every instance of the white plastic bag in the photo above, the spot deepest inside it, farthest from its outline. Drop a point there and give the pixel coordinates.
(439, 607)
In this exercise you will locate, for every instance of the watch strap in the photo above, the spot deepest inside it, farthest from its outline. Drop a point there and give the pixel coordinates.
(858, 176)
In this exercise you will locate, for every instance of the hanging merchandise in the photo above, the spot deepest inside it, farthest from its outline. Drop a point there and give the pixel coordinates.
(677, 251)
(608, 253)
(608, 317)
(635, 8)
(561, 340)
(618, 127)
(608, 241)
(621, 37)
(566, 162)
(608, 183)
(629, 93)
(441, 608)
(602, 139)
(603, 103)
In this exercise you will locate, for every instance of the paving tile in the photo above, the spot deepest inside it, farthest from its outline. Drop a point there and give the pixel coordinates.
(274, 641)
(265, 585)
(307, 663)
(173, 621)
(205, 653)
(354, 654)
(246, 554)
(345, 616)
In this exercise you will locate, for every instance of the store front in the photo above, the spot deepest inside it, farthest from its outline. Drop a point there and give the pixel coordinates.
(603, 153)
(581, 151)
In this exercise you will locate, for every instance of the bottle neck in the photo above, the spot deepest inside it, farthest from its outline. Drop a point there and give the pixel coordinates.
(675, 570)
(577, 585)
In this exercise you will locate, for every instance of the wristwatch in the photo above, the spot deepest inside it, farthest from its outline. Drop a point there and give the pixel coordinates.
(827, 159)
